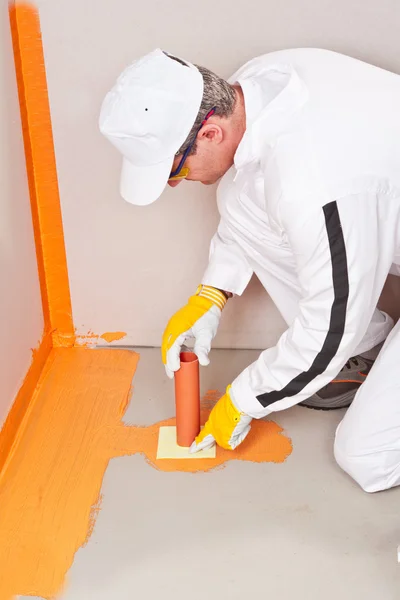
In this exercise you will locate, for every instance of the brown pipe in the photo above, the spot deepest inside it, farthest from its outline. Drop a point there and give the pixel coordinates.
(187, 399)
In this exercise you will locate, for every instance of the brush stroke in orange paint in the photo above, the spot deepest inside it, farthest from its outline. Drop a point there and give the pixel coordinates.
(42, 172)
(50, 495)
(113, 336)
(20, 408)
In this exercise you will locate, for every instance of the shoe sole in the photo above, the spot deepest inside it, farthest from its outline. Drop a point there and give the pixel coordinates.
(342, 401)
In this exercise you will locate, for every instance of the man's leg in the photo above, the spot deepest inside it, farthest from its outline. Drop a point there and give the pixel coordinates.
(278, 276)
(280, 280)
(340, 392)
(367, 444)
(379, 328)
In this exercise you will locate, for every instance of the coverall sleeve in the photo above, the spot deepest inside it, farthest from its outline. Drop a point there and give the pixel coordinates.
(228, 268)
(335, 248)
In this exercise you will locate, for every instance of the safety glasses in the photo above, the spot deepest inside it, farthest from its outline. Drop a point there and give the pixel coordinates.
(182, 172)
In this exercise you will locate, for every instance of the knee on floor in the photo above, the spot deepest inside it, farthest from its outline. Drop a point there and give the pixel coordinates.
(367, 468)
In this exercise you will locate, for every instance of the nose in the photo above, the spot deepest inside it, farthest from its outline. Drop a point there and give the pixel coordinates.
(175, 182)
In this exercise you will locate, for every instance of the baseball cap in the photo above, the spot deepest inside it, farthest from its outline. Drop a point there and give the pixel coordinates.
(147, 116)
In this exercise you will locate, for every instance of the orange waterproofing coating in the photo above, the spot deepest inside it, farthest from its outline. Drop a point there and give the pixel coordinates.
(187, 399)
(50, 494)
(42, 172)
(45, 207)
(51, 487)
(265, 443)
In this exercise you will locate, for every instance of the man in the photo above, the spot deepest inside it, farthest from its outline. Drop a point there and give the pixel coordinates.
(307, 143)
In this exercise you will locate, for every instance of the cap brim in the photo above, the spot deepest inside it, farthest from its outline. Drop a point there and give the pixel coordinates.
(144, 185)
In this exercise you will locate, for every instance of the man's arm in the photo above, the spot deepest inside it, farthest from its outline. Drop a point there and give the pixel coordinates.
(227, 273)
(228, 269)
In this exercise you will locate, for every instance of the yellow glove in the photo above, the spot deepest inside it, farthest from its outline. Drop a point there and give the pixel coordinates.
(198, 319)
(226, 426)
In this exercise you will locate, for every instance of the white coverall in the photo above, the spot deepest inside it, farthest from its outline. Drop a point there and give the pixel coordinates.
(312, 207)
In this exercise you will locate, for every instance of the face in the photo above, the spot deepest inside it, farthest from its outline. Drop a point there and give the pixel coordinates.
(213, 157)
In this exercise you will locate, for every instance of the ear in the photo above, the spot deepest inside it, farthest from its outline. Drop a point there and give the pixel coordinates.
(210, 132)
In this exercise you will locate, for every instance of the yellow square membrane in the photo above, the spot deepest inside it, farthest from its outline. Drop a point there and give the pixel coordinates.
(168, 448)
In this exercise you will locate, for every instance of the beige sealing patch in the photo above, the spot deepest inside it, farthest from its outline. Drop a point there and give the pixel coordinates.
(168, 448)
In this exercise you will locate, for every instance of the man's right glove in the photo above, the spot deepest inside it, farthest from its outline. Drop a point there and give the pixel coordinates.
(198, 319)
(227, 426)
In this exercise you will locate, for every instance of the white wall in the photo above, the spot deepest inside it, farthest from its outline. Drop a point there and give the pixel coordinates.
(130, 268)
(21, 319)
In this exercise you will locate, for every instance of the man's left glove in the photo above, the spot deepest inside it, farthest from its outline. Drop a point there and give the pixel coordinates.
(199, 319)
(226, 426)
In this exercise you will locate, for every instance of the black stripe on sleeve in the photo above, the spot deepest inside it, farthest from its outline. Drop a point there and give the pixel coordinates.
(334, 336)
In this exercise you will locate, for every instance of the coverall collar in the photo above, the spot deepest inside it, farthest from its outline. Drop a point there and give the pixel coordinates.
(272, 96)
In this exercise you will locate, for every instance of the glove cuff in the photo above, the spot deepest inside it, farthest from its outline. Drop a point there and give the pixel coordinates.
(216, 296)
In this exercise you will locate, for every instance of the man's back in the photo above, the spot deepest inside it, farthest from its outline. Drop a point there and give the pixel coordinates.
(350, 116)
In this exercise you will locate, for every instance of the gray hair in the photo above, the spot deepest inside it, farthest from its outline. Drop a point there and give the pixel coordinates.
(217, 93)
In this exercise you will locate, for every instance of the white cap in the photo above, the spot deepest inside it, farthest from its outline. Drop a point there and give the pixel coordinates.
(147, 115)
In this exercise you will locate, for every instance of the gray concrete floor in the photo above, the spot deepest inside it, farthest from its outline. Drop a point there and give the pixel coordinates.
(297, 530)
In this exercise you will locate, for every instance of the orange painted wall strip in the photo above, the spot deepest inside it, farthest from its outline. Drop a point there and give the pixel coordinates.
(42, 172)
(20, 409)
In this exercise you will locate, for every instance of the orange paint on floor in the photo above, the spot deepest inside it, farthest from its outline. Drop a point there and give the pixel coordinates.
(54, 477)
(65, 425)
(50, 493)
(265, 443)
